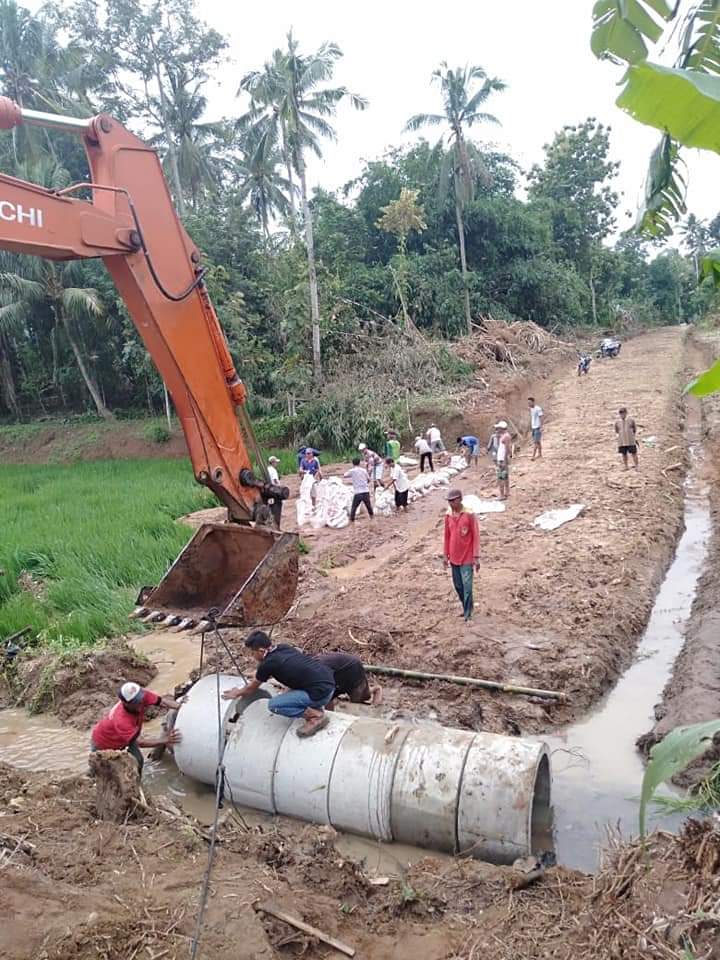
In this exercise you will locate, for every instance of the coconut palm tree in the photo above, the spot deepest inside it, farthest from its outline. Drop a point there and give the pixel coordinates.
(29, 283)
(461, 110)
(269, 194)
(290, 107)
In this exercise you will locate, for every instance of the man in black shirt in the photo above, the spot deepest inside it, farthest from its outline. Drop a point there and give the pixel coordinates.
(311, 684)
(351, 680)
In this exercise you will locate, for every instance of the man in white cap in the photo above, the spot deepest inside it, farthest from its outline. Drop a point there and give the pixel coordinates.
(373, 463)
(273, 474)
(121, 728)
(461, 549)
(503, 458)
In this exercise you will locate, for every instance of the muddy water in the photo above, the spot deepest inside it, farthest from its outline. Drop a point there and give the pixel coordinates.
(597, 769)
(198, 800)
(41, 743)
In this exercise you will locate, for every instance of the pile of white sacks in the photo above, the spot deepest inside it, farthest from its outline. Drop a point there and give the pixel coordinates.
(333, 498)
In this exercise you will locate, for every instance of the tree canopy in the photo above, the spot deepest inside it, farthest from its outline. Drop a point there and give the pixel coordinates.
(428, 238)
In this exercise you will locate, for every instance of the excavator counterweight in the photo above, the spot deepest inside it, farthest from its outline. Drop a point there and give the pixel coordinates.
(240, 573)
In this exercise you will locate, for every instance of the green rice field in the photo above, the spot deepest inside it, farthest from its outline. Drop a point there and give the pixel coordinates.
(83, 538)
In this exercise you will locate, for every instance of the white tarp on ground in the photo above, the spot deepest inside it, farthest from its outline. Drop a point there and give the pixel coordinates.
(553, 519)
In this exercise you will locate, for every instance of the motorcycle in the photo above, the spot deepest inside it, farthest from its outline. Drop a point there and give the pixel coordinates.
(609, 347)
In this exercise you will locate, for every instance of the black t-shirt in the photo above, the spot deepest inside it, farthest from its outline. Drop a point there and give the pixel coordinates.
(347, 669)
(296, 670)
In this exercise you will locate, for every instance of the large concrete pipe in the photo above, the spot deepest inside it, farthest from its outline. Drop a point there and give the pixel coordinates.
(477, 794)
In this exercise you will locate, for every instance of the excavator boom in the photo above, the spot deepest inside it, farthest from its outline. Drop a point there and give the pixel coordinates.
(125, 215)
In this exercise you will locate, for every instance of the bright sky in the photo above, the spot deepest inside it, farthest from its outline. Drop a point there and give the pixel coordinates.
(541, 50)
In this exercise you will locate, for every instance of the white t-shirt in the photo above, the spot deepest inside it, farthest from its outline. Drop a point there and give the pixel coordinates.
(359, 478)
(273, 474)
(536, 415)
(400, 477)
(422, 446)
(433, 435)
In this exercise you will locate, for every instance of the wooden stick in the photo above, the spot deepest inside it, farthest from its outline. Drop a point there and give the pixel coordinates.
(467, 681)
(306, 928)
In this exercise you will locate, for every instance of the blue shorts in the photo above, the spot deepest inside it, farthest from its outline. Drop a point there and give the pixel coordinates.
(537, 434)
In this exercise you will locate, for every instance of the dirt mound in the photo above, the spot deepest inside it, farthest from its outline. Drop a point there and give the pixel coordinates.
(78, 686)
(78, 887)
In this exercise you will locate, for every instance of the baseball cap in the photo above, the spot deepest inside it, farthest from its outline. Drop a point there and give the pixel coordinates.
(273, 460)
(454, 494)
(131, 692)
(362, 446)
(501, 425)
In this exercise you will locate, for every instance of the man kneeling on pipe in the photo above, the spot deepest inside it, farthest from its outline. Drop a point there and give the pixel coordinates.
(311, 685)
(351, 680)
(122, 727)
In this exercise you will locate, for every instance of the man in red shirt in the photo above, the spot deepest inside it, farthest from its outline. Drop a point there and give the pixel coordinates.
(461, 549)
(120, 729)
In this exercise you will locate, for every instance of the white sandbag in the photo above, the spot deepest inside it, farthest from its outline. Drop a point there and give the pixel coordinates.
(301, 508)
(477, 505)
(406, 461)
(552, 519)
(458, 462)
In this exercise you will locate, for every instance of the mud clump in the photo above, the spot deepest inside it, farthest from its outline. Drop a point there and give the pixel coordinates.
(79, 687)
(119, 795)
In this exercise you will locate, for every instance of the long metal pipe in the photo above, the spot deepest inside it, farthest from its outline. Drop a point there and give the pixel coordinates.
(476, 794)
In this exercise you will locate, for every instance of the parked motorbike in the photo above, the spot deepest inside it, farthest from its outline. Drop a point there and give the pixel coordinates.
(609, 347)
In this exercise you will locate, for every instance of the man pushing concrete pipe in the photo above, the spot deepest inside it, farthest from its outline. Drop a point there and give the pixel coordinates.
(311, 683)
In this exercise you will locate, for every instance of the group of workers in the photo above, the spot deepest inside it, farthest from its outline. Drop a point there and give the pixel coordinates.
(314, 684)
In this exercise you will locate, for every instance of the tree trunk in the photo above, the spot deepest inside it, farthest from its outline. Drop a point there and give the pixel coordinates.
(463, 262)
(168, 414)
(312, 275)
(7, 380)
(593, 299)
(172, 155)
(82, 367)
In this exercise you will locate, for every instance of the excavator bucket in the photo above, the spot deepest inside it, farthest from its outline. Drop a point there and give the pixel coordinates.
(229, 574)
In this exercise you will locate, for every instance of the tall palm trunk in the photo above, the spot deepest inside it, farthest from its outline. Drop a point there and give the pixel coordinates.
(172, 153)
(85, 372)
(312, 272)
(7, 380)
(463, 261)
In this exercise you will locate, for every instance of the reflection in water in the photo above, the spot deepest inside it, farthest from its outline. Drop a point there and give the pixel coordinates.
(597, 770)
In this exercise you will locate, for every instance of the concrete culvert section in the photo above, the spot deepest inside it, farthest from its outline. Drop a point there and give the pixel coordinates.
(477, 794)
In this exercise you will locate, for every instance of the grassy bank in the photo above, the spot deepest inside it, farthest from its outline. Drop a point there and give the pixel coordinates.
(77, 541)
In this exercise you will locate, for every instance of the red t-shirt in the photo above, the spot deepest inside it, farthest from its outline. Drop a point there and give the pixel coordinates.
(120, 726)
(462, 538)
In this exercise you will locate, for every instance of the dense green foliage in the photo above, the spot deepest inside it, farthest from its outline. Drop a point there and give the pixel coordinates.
(67, 344)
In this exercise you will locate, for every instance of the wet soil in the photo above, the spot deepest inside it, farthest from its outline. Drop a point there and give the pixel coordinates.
(560, 610)
(79, 686)
(75, 886)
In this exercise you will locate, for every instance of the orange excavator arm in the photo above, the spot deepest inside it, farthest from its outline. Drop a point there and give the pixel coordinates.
(131, 224)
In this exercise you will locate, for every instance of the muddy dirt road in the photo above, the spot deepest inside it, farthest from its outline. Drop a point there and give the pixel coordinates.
(560, 610)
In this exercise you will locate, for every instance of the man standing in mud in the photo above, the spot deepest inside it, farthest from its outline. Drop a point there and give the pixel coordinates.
(461, 549)
(121, 729)
(311, 685)
(626, 431)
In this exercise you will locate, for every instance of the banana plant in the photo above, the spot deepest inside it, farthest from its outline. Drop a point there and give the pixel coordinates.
(683, 101)
(674, 752)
